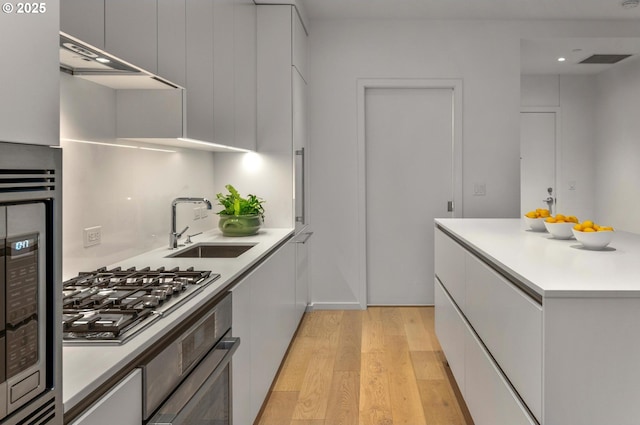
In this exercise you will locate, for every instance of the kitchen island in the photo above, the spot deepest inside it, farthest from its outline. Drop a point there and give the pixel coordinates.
(90, 369)
(536, 329)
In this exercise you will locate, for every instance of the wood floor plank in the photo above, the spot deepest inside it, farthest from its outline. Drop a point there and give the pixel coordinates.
(279, 408)
(403, 389)
(350, 343)
(439, 403)
(393, 323)
(316, 385)
(372, 331)
(375, 402)
(295, 365)
(427, 365)
(344, 399)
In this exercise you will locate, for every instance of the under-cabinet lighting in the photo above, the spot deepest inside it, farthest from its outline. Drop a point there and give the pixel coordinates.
(562, 59)
(213, 145)
(89, 142)
(103, 60)
(157, 150)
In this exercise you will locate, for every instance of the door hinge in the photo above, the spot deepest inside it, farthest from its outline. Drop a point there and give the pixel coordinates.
(449, 206)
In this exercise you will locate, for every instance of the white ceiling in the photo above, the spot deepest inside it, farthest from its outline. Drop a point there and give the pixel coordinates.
(537, 56)
(470, 9)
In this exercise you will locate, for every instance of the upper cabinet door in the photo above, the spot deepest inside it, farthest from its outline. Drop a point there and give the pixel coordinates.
(245, 74)
(299, 53)
(223, 75)
(83, 19)
(199, 82)
(30, 74)
(172, 43)
(131, 32)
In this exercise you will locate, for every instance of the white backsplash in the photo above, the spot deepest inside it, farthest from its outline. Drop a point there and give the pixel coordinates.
(128, 192)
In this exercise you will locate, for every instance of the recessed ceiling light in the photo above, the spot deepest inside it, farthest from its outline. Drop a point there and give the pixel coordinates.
(561, 59)
(629, 4)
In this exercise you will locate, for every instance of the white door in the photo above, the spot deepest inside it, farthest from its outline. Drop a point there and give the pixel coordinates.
(409, 180)
(537, 159)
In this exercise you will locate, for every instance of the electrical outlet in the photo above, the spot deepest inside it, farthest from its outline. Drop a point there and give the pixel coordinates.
(204, 212)
(479, 189)
(572, 185)
(196, 213)
(92, 236)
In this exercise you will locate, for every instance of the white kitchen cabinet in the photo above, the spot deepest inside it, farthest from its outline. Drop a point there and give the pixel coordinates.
(510, 324)
(221, 72)
(199, 69)
(30, 88)
(302, 272)
(281, 101)
(299, 45)
(241, 363)
(245, 74)
(83, 19)
(172, 44)
(489, 397)
(488, 327)
(122, 405)
(265, 319)
(131, 32)
(450, 330)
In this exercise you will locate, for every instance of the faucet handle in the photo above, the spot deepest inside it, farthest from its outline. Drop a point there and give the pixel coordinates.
(179, 234)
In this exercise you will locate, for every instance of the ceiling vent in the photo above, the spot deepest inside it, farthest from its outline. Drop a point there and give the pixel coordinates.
(604, 59)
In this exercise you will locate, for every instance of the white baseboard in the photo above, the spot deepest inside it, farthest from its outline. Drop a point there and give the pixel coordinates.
(333, 306)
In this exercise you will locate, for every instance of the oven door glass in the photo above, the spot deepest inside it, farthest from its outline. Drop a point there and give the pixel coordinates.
(204, 397)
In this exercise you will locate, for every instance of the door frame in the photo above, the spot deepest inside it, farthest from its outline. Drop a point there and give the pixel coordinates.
(397, 83)
(557, 168)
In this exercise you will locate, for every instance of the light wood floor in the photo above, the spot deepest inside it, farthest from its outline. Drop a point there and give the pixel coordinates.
(382, 366)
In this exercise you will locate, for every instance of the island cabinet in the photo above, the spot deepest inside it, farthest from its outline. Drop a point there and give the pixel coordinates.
(526, 342)
(29, 75)
(265, 319)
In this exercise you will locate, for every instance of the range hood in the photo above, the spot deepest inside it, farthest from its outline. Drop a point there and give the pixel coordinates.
(85, 61)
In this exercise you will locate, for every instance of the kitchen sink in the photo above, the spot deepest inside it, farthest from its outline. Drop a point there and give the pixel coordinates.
(213, 250)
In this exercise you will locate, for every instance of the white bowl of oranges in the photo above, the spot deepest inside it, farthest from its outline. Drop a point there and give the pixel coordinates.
(535, 219)
(561, 226)
(592, 235)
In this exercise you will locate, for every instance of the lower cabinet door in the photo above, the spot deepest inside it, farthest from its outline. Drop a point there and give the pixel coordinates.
(490, 399)
(450, 329)
(122, 405)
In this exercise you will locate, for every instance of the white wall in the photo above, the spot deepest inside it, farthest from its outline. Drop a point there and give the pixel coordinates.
(616, 191)
(484, 54)
(575, 96)
(126, 191)
(341, 51)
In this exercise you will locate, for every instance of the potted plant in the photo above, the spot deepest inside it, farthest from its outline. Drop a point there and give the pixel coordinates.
(240, 216)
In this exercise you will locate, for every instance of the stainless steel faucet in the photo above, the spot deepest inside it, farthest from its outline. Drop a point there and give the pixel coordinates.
(175, 235)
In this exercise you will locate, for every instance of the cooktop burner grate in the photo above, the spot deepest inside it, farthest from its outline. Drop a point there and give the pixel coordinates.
(110, 306)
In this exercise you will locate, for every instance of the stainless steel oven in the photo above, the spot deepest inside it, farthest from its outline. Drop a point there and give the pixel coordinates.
(30, 338)
(189, 381)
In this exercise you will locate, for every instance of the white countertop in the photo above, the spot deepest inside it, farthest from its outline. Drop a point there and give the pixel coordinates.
(553, 267)
(87, 367)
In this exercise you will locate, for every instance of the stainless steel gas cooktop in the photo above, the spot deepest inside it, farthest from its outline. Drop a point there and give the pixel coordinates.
(110, 306)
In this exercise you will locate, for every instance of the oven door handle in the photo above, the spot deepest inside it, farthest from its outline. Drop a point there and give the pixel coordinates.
(177, 407)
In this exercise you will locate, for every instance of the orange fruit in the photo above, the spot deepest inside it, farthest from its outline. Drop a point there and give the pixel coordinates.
(550, 220)
(589, 230)
(587, 224)
(578, 227)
